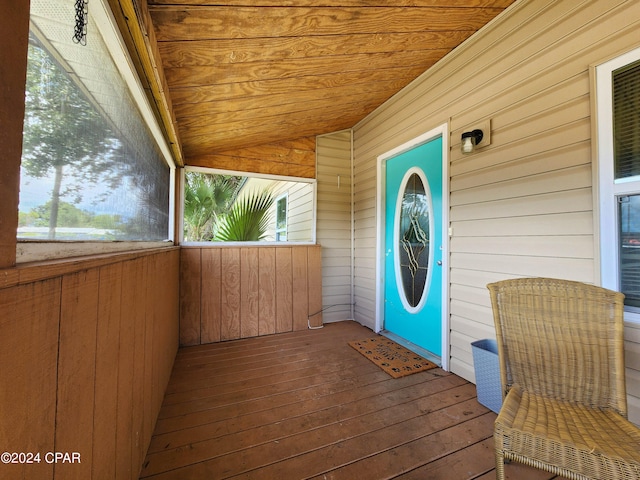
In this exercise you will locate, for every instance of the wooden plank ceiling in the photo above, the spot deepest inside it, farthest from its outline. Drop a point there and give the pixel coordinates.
(246, 74)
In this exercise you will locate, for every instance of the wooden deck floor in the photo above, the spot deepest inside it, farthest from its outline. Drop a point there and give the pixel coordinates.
(306, 405)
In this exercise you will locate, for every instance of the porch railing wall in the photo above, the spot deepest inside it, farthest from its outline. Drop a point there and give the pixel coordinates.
(87, 350)
(232, 292)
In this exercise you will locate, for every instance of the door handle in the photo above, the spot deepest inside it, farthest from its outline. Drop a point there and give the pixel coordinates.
(439, 262)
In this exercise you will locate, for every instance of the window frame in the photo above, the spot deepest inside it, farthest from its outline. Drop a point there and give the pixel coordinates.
(42, 250)
(607, 188)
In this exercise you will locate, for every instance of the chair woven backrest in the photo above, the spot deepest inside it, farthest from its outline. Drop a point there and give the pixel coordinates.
(561, 339)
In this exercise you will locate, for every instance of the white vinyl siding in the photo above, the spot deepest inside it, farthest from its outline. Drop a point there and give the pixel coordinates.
(299, 208)
(632, 358)
(334, 223)
(522, 206)
(300, 211)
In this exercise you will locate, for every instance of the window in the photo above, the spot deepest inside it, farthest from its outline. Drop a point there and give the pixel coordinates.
(629, 248)
(413, 238)
(231, 207)
(94, 165)
(618, 148)
(281, 218)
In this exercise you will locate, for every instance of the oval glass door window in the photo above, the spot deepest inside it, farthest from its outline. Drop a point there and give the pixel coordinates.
(413, 239)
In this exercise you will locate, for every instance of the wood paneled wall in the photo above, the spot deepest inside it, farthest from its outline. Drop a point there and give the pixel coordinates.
(229, 292)
(87, 350)
(14, 33)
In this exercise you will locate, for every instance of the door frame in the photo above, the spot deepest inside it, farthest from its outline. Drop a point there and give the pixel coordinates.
(440, 131)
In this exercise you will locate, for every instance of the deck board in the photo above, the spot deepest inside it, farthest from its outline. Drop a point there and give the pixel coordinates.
(306, 405)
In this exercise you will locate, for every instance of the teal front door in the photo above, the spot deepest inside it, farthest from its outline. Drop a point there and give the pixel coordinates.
(413, 246)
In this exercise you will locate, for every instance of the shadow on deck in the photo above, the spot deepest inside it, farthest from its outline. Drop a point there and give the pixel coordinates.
(306, 405)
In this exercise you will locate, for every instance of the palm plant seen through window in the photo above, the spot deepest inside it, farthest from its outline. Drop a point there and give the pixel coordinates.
(231, 208)
(206, 199)
(248, 218)
(217, 209)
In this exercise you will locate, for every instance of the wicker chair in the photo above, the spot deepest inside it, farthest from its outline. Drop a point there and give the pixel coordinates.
(561, 351)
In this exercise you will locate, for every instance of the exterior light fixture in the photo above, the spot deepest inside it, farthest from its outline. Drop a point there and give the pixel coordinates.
(470, 140)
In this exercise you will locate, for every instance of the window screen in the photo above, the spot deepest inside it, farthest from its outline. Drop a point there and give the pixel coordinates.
(626, 120)
(629, 221)
(91, 169)
(626, 130)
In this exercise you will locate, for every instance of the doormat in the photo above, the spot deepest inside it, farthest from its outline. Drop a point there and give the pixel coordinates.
(394, 359)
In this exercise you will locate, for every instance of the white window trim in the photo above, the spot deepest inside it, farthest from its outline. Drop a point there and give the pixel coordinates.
(608, 189)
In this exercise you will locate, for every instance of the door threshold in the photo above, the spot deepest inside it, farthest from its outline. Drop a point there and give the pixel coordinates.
(432, 357)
